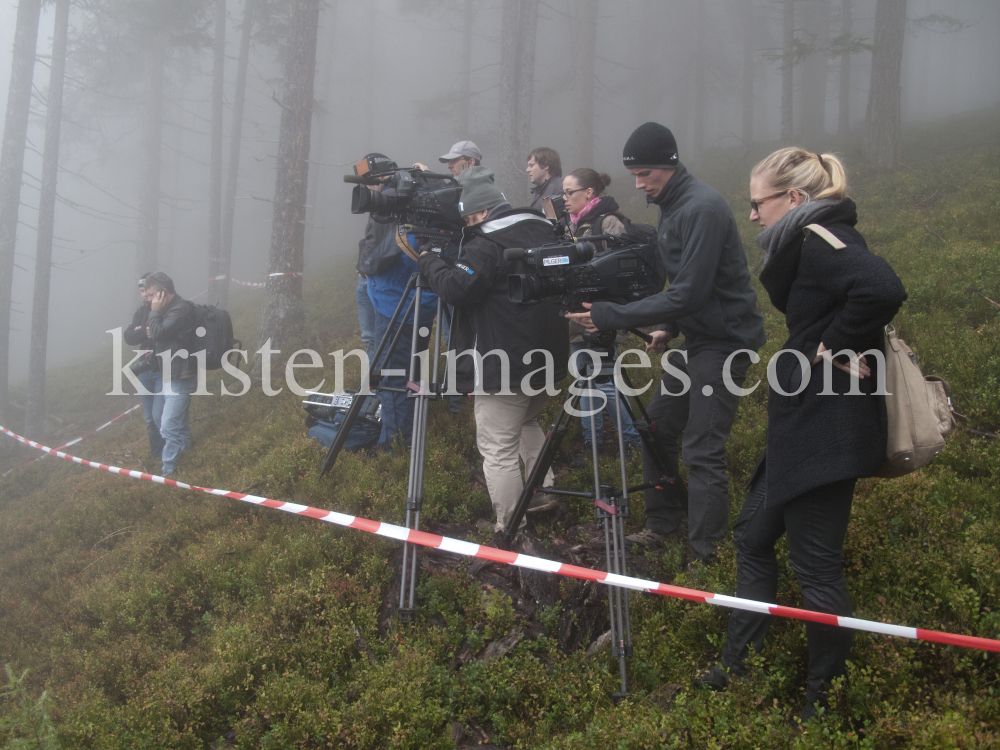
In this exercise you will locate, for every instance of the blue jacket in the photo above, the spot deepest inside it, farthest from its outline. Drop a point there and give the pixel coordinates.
(386, 288)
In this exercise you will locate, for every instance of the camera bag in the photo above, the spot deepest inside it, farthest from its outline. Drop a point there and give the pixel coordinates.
(918, 407)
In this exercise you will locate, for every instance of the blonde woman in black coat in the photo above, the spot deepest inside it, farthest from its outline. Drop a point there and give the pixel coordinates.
(818, 445)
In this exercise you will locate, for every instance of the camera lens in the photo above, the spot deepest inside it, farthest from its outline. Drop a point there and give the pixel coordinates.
(364, 201)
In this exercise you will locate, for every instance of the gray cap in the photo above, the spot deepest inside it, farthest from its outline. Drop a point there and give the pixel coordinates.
(467, 149)
(478, 191)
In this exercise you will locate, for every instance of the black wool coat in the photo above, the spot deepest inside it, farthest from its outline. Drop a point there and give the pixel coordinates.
(844, 299)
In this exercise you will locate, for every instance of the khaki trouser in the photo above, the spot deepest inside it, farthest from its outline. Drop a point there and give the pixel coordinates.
(505, 430)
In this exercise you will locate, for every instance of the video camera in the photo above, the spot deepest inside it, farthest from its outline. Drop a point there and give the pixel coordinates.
(574, 272)
(424, 204)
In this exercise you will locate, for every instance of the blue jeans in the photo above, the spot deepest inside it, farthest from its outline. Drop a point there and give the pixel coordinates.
(628, 430)
(397, 409)
(366, 318)
(152, 381)
(173, 420)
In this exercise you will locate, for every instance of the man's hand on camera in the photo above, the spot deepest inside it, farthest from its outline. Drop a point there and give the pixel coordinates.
(159, 300)
(422, 167)
(659, 343)
(584, 318)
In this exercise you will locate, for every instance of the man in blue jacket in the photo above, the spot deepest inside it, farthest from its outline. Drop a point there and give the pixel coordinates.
(710, 301)
(385, 289)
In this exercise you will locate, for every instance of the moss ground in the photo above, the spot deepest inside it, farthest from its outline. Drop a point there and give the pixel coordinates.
(157, 618)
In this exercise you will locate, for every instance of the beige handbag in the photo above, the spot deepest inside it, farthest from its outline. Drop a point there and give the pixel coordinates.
(919, 409)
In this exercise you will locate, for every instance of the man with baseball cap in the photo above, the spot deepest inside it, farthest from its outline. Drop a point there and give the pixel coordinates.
(710, 300)
(488, 328)
(460, 157)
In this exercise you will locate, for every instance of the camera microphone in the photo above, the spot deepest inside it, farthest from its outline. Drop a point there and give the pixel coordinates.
(513, 253)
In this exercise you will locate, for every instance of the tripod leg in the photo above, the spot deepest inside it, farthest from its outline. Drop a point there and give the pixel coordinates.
(414, 493)
(374, 377)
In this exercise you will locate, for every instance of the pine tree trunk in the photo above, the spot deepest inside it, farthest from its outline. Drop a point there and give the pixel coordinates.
(815, 71)
(215, 163)
(882, 122)
(526, 87)
(748, 70)
(322, 115)
(844, 114)
(699, 84)
(15, 134)
(465, 73)
(585, 47)
(517, 63)
(235, 143)
(147, 257)
(787, 71)
(34, 421)
(283, 314)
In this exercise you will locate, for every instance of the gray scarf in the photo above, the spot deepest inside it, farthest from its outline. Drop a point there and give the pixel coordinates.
(791, 224)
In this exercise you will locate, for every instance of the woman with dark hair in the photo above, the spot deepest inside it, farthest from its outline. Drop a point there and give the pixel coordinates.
(592, 212)
(836, 296)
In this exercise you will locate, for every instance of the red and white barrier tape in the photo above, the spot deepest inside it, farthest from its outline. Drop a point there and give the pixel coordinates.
(469, 549)
(77, 440)
(254, 284)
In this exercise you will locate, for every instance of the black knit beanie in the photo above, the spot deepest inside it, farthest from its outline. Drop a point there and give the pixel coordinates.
(650, 146)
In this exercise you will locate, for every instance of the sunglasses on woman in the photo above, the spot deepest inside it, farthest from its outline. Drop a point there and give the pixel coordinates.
(756, 204)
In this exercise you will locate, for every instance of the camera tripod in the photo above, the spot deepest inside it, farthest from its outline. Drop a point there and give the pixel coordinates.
(418, 388)
(611, 503)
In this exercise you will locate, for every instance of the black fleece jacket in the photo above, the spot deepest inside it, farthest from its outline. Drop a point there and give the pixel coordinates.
(135, 333)
(709, 298)
(485, 318)
(842, 299)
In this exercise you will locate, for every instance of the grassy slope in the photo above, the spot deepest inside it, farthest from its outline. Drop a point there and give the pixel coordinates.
(159, 618)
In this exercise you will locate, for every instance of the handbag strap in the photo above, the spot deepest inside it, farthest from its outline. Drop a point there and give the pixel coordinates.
(826, 234)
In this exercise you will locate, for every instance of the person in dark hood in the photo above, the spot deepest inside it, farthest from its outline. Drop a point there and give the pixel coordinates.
(591, 212)
(710, 301)
(509, 355)
(545, 174)
(376, 229)
(819, 441)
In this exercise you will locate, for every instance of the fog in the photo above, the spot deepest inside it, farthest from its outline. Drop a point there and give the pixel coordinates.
(389, 78)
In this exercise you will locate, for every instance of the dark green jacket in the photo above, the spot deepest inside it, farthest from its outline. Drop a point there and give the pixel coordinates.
(709, 298)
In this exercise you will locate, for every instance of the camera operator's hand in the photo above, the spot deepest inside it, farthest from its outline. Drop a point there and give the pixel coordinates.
(584, 318)
(159, 300)
(659, 343)
(422, 167)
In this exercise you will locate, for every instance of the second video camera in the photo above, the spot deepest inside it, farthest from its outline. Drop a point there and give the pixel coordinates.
(577, 272)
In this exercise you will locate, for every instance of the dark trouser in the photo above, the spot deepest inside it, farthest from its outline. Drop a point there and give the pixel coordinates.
(705, 421)
(815, 524)
(397, 408)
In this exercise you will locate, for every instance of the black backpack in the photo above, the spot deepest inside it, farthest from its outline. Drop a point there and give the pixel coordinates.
(643, 233)
(213, 332)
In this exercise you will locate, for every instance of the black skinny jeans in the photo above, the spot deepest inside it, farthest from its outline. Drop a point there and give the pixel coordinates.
(816, 524)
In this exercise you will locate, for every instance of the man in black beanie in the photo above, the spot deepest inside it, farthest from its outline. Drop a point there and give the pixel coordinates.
(710, 300)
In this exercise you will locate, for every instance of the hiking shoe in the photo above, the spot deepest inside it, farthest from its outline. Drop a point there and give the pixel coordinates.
(542, 503)
(644, 538)
(715, 678)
